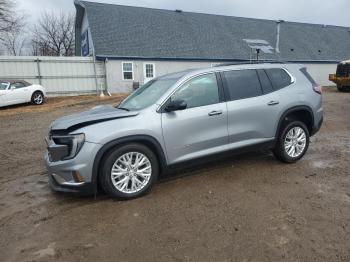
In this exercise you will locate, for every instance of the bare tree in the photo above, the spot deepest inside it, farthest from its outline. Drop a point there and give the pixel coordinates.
(9, 20)
(12, 37)
(13, 43)
(54, 35)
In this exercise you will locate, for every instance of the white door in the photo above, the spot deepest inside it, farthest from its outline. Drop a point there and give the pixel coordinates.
(3, 101)
(17, 93)
(3, 92)
(148, 72)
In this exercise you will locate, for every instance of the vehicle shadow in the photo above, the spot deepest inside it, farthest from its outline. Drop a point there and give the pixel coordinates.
(198, 167)
(190, 169)
(24, 105)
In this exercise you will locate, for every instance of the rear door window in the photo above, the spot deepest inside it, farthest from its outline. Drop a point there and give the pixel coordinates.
(278, 77)
(265, 82)
(242, 84)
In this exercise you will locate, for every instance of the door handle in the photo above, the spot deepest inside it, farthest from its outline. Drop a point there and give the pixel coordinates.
(215, 113)
(273, 103)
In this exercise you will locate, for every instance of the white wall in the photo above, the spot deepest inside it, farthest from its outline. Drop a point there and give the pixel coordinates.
(115, 80)
(116, 83)
(59, 75)
(320, 72)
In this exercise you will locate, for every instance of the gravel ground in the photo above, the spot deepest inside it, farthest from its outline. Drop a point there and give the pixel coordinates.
(243, 208)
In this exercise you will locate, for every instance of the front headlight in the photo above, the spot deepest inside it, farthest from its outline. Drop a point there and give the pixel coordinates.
(74, 143)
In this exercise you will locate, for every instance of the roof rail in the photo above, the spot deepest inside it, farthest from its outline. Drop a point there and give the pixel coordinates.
(252, 62)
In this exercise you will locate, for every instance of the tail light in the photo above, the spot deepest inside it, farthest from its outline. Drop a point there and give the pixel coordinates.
(317, 89)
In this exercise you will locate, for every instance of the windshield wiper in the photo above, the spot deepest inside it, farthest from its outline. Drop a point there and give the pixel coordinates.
(123, 108)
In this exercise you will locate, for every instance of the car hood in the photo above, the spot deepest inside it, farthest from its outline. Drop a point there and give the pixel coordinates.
(92, 116)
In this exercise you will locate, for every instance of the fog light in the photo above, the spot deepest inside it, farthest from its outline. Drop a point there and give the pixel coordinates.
(77, 177)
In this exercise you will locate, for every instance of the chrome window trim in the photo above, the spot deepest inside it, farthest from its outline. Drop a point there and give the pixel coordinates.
(293, 80)
(219, 70)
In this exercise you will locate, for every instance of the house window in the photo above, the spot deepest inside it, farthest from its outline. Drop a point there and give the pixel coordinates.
(128, 68)
(149, 70)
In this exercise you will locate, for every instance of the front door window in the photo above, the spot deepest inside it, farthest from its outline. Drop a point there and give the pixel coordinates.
(199, 91)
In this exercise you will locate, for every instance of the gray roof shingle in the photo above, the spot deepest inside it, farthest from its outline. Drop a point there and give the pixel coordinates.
(126, 31)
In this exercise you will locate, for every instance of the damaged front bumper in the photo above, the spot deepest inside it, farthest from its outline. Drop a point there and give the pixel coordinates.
(73, 175)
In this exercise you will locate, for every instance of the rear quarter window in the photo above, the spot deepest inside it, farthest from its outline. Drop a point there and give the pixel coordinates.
(278, 77)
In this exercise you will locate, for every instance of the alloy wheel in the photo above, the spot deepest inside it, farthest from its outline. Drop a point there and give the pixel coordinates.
(131, 172)
(38, 98)
(295, 142)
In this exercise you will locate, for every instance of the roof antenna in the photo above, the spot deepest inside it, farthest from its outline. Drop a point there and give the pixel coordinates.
(258, 46)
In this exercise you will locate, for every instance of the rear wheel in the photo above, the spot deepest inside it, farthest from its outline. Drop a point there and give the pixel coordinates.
(292, 143)
(129, 171)
(37, 98)
(342, 88)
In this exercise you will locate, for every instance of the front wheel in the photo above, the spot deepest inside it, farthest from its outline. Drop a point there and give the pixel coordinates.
(37, 98)
(292, 143)
(129, 171)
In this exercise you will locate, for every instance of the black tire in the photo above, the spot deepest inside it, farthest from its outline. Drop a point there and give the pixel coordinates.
(340, 88)
(280, 152)
(108, 162)
(37, 98)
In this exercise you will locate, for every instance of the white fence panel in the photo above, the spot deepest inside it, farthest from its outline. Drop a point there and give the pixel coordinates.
(59, 75)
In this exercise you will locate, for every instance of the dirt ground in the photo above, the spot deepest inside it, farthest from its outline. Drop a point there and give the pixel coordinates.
(244, 208)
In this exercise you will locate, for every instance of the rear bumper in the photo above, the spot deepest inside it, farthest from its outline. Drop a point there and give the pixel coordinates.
(317, 127)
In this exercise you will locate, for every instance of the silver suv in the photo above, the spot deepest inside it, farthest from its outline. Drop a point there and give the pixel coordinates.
(180, 117)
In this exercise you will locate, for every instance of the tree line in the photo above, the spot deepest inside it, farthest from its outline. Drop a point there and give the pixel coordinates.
(51, 35)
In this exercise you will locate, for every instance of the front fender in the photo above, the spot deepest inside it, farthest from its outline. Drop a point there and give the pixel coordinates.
(144, 139)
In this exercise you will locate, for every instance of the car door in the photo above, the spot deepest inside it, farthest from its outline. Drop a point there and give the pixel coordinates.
(252, 107)
(200, 129)
(17, 93)
(3, 92)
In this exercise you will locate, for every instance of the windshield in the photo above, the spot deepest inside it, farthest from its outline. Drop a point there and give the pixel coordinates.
(4, 85)
(147, 94)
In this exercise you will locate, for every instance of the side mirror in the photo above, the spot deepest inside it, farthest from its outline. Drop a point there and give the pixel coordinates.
(176, 105)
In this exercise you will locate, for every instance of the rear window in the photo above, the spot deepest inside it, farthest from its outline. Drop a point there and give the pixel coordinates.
(279, 78)
(308, 76)
(343, 70)
(242, 84)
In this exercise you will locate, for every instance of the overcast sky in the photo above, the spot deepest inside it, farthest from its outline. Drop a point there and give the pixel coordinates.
(334, 12)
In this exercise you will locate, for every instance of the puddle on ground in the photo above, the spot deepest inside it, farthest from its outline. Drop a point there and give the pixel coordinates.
(322, 163)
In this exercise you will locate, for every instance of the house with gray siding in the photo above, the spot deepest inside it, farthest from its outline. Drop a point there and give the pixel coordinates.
(137, 44)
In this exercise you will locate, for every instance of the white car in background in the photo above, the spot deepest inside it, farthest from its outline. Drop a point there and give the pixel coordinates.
(18, 91)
